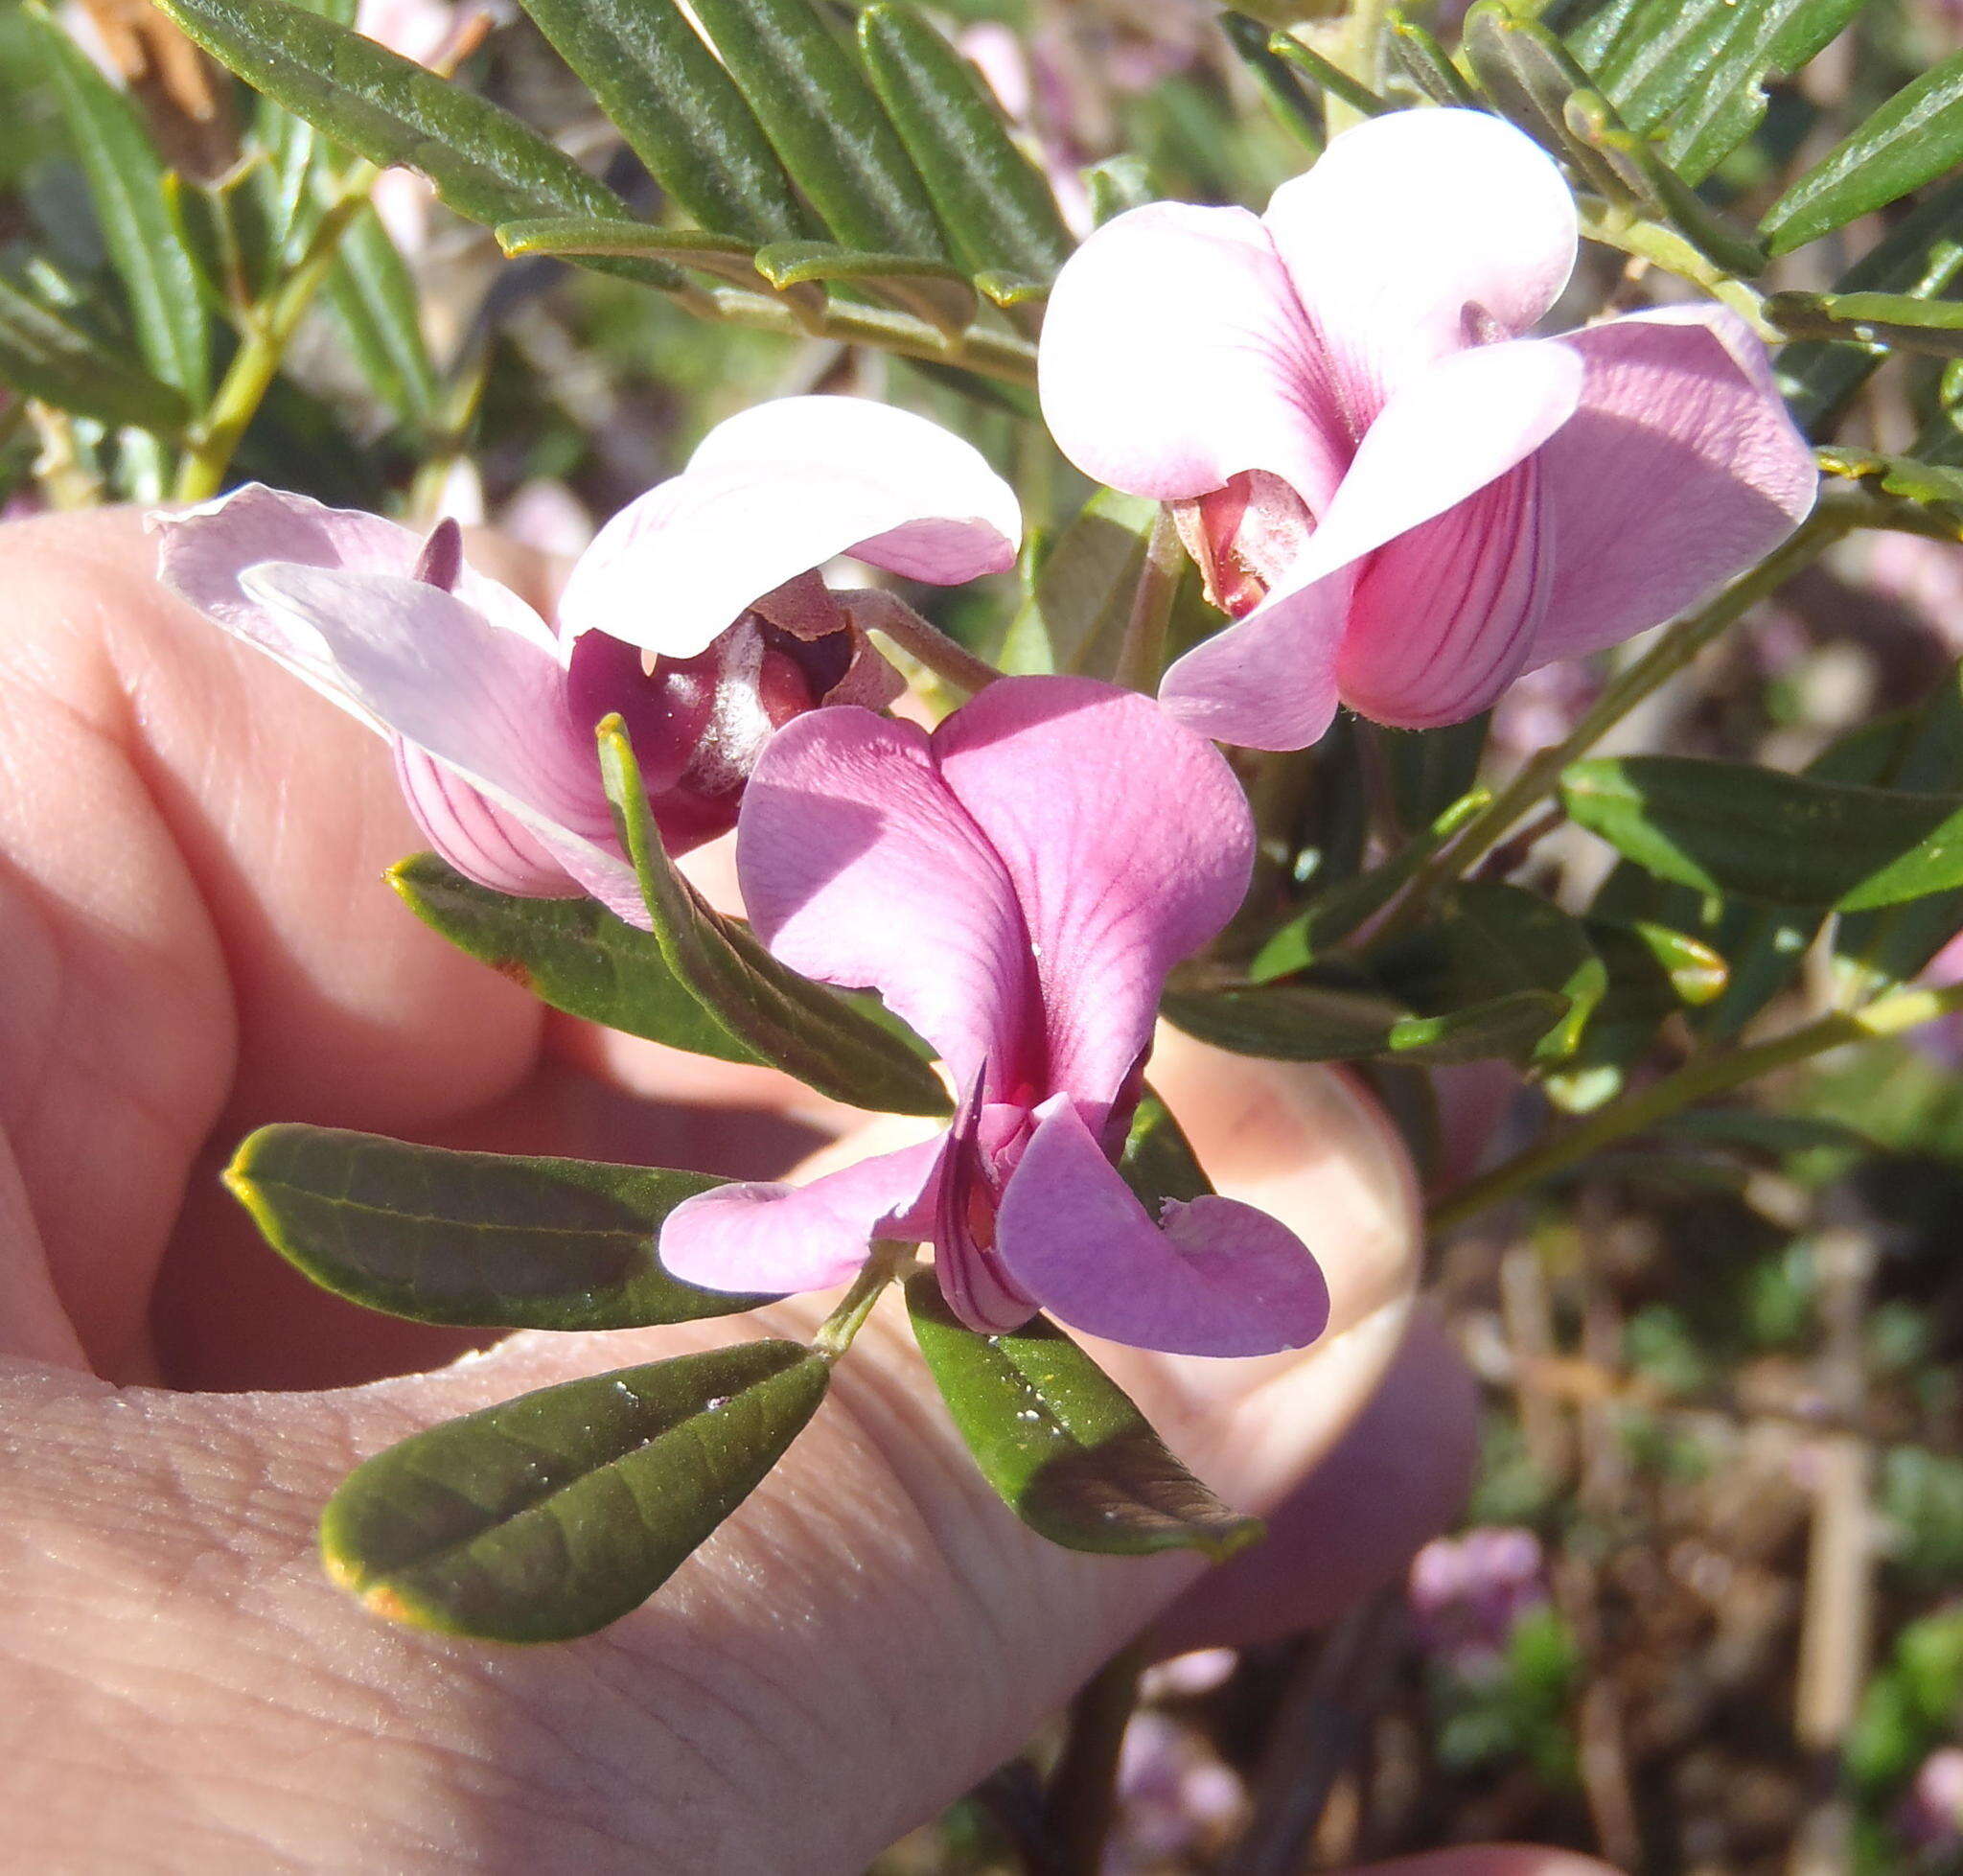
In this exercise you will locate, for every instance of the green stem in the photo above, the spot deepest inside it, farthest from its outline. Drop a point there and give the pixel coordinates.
(1664, 247)
(835, 1334)
(1082, 1788)
(1142, 655)
(257, 362)
(875, 610)
(993, 354)
(1697, 1080)
(1674, 649)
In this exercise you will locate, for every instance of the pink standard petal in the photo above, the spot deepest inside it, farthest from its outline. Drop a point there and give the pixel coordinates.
(1176, 355)
(1128, 844)
(1418, 234)
(1680, 469)
(776, 1239)
(776, 491)
(479, 839)
(1445, 617)
(861, 869)
(1216, 1278)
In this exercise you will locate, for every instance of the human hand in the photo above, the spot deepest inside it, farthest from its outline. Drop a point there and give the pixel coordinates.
(197, 941)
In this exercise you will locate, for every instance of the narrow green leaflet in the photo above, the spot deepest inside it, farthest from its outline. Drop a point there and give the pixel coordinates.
(1157, 1161)
(1426, 64)
(1900, 320)
(1062, 1444)
(1653, 972)
(1912, 139)
(550, 1515)
(1294, 1022)
(1529, 76)
(483, 162)
(375, 298)
(1081, 597)
(1290, 100)
(1921, 256)
(680, 112)
(1512, 1028)
(1752, 833)
(573, 953)
(931, 291)
(42, 356)
(471, 1238)
(723, 257)
(994, 202)
(827, 125)
(126, 182)
(796, 1024)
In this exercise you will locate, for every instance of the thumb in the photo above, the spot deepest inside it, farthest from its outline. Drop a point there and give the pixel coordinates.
(866, 1638)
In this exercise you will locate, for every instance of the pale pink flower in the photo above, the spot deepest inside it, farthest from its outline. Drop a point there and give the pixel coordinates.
(1467, 1593)
(1175, 1799)
(696, 614)
(1931, 1814)
(1016, 885)
(1404, 502)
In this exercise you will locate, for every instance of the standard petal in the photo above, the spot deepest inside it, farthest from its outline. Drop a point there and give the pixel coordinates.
(485, 704)
(1418, 234)
(1128, 844)
(1270, 681)
(775, 1239)
(1176, 355)
(1216, 1277)
(482, 841)
(776, 491)
(1445, 617)
(1680, 469)
(861, 869)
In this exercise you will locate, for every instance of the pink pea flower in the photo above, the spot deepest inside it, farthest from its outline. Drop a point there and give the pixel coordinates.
(1016, 885)
(1467, 1593)
(1402, 501)
(696, 614)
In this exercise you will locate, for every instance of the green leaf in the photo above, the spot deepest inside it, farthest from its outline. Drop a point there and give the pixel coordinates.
(679, 111)
(573, 953)
(1912, 139)
(1329, 78)
(1529, 76)
(1292, 103)
(375, 297)
(995, 203)
(550, 1515)
(1512, 1026)
(1921, 256)
(1426, 64)
(1900, 320)
(42, 356)
(787, 1021)
(1076, 615)
(125, 181)
(471, 1238)
(818, 110)
(723, 257)
(1294, 1022)
(1157, 1162)
(1932, 484)
(1752, 833)
(482, 161)
(1431, 773)
(1062, 1444)
(931, 291)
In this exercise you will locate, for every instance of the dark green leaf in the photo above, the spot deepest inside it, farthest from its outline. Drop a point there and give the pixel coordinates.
(827, 125)
(1294, 1022)
(44, 356)
(1062, 1444)
(1288, 98)
(1076, 615)
(482, 161)
(1512, 1026)
(1157, 1162)
(573, 953)
(1426, 64)
(471, 1238)
(555, 1513)
(1889, 319)
(1530, 77)
(1912, 139)
(1652, 971)
(1431, 773)
(375, 297)
(794, 1025)
(1752, 833)
(1329, 78)
(931, 291)
(994, 202)
(724, 257)
(1120, 183)
(125, 181)
(680, 112)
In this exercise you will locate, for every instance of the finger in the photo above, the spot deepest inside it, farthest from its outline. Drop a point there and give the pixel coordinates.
(1493, 1860)
(864, 1639)
(1396, 1478)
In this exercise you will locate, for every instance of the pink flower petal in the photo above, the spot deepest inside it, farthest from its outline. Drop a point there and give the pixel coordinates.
(1128, 844)
(1680, 469)
(1418, 234)
(1175, 355)
(1444, 616)
(861, 869)
(776, 1239)
(777, 491)
(1216, 1277)
(1270, 681)
(478, 838)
